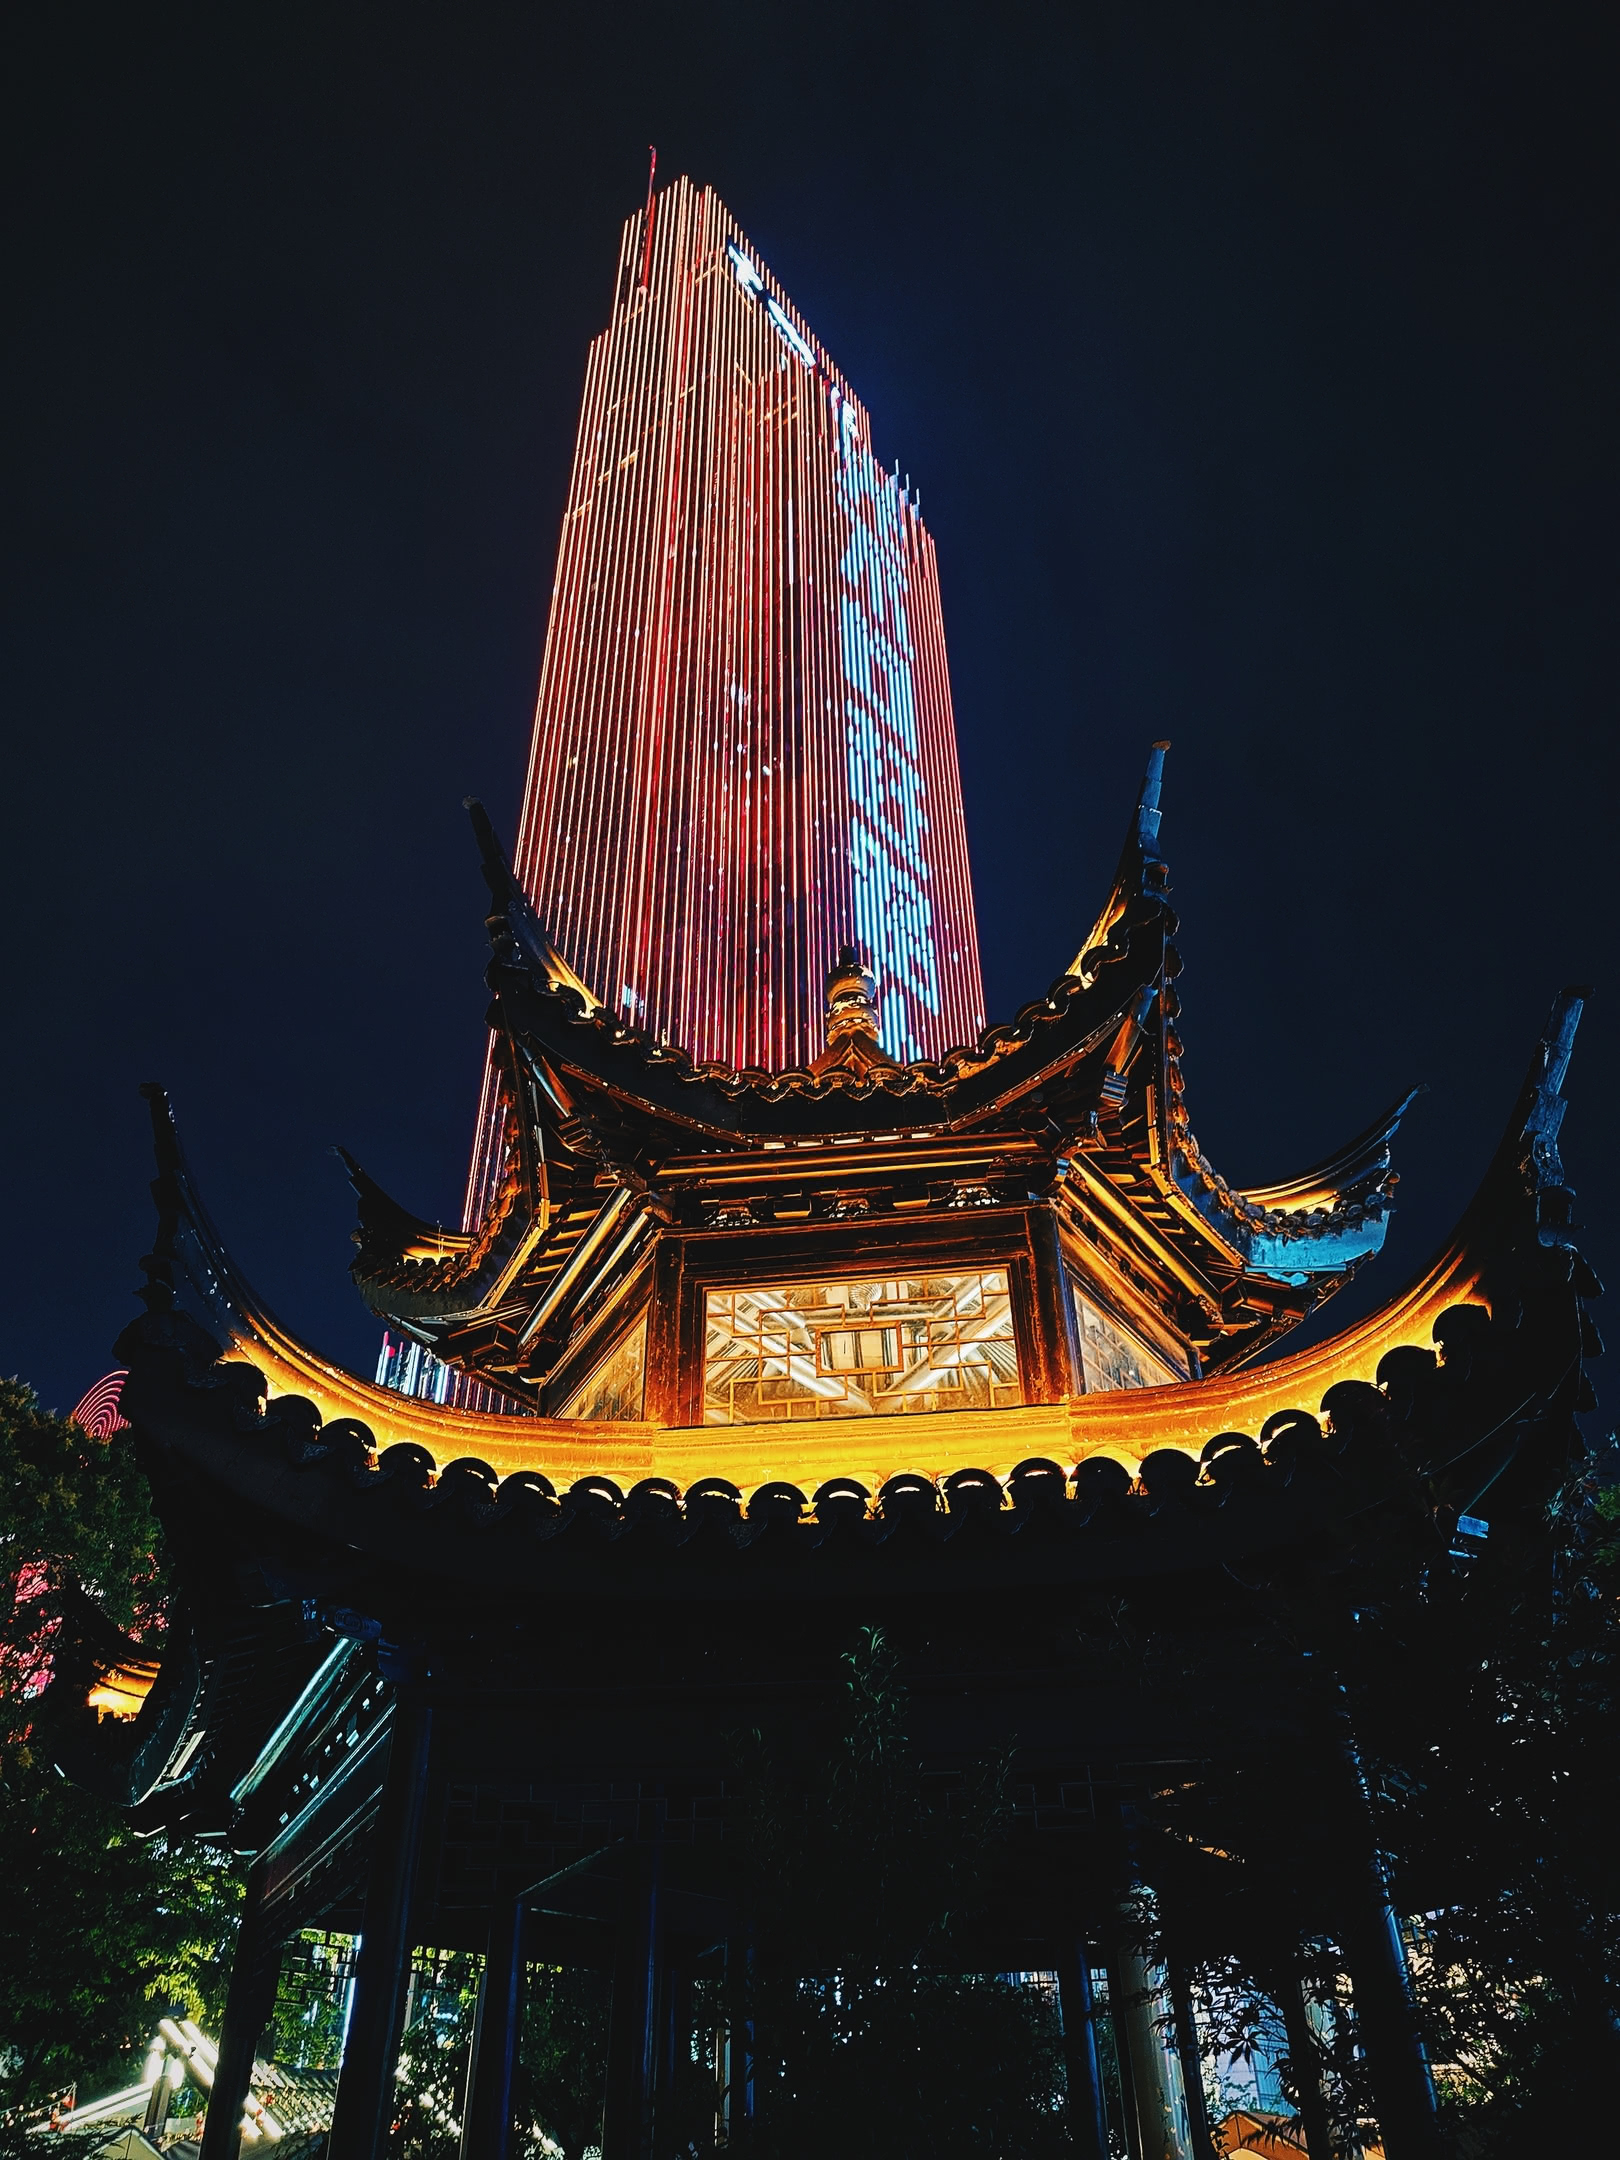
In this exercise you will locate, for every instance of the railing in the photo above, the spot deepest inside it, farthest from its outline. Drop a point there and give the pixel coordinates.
(280, 2102)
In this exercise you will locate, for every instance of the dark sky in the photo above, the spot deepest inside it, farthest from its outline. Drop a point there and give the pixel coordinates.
(1258, 368)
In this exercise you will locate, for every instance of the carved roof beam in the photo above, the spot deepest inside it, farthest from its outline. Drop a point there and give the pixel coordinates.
(842, 1166)
(1079, 1171)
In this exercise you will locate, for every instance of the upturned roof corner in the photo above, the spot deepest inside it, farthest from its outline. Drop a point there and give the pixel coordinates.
(515, 931)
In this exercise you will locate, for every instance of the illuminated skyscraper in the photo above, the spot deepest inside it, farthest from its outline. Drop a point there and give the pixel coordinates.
(743, 753)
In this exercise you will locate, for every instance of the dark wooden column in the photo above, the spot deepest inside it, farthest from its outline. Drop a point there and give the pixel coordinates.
(1304, 2061)
(1403, 2089)
(1119, 2020)
(674, 2025)
(1088, 2104)
(248, 2003)
(664, 1399)
(633, 2018)
(1191, 2059)
(739, 2029)
(365, 2091)
(1052, 1312)
(486, 2127)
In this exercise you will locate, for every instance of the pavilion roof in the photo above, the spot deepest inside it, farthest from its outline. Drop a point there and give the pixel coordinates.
(305, 1500)
(1082, 1093)
(238, 1360)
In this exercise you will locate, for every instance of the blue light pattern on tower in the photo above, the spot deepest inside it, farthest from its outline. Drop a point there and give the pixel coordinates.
(894, 915)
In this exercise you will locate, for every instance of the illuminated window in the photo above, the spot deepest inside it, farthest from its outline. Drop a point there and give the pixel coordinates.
(1113, 1359)
(616, 1387)
(860, 1349)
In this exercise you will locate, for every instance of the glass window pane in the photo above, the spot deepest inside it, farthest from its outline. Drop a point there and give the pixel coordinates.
(861, 1349)
(1113, 1359)
(616, 1387)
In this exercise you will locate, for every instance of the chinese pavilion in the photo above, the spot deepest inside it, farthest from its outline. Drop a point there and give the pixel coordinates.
(971, 1347)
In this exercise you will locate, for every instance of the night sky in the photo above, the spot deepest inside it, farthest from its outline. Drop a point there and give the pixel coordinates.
(1257, 366)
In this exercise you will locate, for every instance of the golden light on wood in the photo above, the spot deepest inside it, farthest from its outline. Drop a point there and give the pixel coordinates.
(1127, 1425)
(121, 1692)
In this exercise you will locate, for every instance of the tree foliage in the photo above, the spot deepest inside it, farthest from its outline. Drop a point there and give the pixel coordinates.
(100, 1931)
(74, 1515)
(562, 2055)
(1510, 1813)
(869, 2038)
(560, 2071)
(1484, 1691)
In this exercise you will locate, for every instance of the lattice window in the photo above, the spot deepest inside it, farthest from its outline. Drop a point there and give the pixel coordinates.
(860, 1349)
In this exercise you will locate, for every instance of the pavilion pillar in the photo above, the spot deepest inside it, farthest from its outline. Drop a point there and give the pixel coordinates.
(1135, 1990)
(157, 2106)
(1059, 1373)
(633, 2017)
(1123, 2057)
(720, 2064)
(365, 2093)
(1403, 2090)
(1386, 2010)
(1088, 2105)
(674, 2025)
(249, 2001)
(1191, 2057)
(1304, 2060)
(486, 2125)
(737, 2067)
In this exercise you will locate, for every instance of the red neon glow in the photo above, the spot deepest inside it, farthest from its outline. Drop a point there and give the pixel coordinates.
(97, 1412)
(652, 175)
(744, 753)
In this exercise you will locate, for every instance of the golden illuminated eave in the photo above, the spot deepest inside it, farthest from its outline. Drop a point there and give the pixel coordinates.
(1128, 1425)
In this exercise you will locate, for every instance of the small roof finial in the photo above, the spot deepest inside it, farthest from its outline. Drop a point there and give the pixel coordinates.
(852, 1019)
(1147, 803)
(851, 998)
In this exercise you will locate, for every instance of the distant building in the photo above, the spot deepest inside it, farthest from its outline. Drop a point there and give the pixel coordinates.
(744, 755)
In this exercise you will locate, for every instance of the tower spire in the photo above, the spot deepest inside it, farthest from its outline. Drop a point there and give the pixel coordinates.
(646, 252)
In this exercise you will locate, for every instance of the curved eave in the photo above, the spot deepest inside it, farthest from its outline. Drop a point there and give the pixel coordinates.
(1050, 1039)
(1322, 1224)
(1522, 1204)
(520, 1545)
(1351, 1171)
(1298, 1252)
(386, 1227)
(1126, 1426)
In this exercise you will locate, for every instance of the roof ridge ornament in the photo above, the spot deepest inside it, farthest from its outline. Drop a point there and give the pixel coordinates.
(1147, 804)
(851, 997)
(1141, 868)
(515, 931)
(852, 1017)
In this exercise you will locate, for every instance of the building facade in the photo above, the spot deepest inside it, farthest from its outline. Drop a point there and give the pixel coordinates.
(968, 1346)
(743, 755)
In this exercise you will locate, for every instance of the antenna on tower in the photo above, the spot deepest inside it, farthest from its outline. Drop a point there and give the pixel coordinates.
(646, 253)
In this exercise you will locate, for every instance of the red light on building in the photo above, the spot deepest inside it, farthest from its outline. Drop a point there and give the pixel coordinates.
(743, 754)
(97, 1411)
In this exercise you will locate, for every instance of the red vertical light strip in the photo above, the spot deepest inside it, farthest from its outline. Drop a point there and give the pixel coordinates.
(694, 640)
(652, 178)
